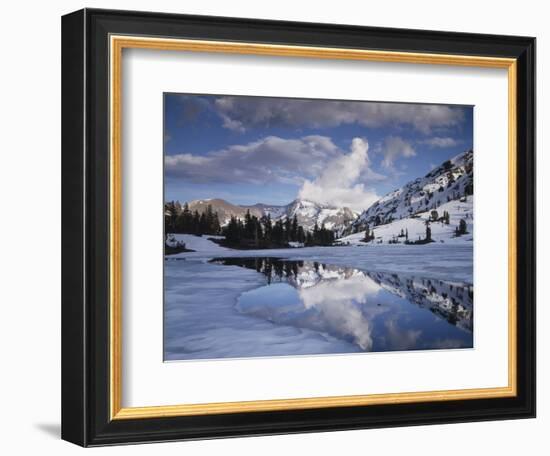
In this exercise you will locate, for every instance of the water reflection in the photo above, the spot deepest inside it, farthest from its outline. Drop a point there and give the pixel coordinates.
(374, 311)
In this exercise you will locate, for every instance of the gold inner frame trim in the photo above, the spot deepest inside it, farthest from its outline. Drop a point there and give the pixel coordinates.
(117, 44)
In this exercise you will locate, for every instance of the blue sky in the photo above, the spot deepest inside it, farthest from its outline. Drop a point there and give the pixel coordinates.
(272, 150)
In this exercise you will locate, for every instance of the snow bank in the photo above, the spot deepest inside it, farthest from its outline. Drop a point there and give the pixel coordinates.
(444, 261)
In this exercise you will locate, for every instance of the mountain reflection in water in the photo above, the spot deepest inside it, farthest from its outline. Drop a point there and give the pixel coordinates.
(375, 311)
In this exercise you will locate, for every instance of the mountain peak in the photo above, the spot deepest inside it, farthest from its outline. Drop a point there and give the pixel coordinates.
(308, 213)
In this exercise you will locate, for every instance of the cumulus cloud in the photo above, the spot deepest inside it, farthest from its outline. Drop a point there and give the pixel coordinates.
(440, 142)
(393, 148)
(241, 113)
(326, 174)
(338, 183)
(270, 159)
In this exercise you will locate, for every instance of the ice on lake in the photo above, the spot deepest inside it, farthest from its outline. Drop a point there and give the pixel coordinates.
(227, 304)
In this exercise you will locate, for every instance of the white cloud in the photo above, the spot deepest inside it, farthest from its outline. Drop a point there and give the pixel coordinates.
(270, 159)
(327, 175)
(231, 124)
(440, 142)
(241, 113)
(393, 148)
(338, 184)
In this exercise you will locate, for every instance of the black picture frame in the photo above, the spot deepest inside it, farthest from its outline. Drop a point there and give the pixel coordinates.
(85, 223)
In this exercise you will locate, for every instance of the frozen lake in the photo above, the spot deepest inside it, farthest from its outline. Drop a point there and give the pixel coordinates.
(224, 303)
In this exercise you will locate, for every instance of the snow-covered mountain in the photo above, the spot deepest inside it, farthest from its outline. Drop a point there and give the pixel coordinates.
(447, 188)
(274, 211)
(224, 208)
(452, 180)
(307, 213)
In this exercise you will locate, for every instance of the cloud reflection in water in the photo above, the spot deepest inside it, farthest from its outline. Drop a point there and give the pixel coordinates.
(374, 311)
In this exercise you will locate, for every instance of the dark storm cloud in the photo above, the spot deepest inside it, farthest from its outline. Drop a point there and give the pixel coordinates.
(242, 113)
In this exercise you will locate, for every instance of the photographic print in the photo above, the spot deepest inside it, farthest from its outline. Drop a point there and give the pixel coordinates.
(316, 227)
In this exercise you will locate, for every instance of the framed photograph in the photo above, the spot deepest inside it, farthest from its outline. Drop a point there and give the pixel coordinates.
(278, 227)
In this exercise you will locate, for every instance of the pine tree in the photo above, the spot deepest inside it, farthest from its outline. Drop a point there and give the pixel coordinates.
(294, 236)
(301, 235)
(278, 232)
(209, 221)
(216, 224)
(170, 216)
(257, 233)
(187, 218)
(231, 231)
(324, 235)
(248, 225)
(179, 224)
(203, 226)
(287, 230)
(195, 225)
(367, 234)
(462, 227)
(268, 228)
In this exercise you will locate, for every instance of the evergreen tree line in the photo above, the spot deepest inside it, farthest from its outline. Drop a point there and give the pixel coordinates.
(254, 232)
(320, 236)
(186, 221)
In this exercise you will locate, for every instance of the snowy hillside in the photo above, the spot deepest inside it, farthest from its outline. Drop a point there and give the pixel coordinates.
(415, 227)
(452, 180)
